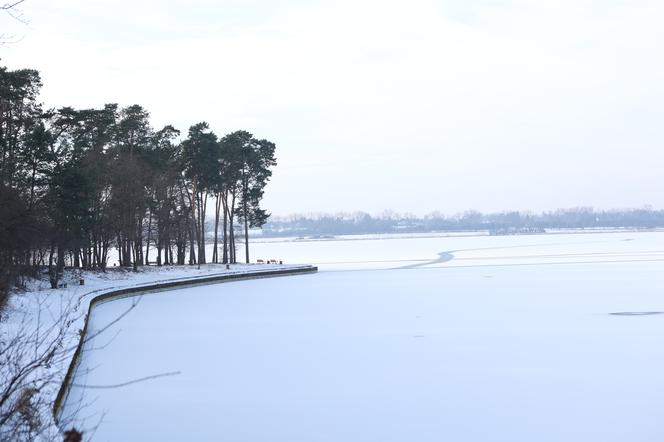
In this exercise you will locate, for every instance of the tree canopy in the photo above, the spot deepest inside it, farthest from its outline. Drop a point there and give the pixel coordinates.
(77, 183)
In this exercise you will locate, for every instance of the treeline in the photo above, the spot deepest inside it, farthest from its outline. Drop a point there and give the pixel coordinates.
(504, 222)
(75, 183)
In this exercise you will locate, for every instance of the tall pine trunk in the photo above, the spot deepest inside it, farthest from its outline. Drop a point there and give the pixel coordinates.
(147, 242)
(231, 230)
(224, 203)
(246, 232)
(202, 209)
(215, 252)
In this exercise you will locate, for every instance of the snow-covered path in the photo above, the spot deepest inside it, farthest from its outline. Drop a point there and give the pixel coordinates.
(515, 342)
(45, 316)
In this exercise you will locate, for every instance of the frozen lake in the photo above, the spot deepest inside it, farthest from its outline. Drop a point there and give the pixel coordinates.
(421, 339)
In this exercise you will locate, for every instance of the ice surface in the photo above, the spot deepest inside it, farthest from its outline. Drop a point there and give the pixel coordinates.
(398, 251)
(511, 340)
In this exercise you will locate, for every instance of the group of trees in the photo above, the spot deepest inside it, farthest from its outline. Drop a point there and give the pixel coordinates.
(75, 183)
(504, 222)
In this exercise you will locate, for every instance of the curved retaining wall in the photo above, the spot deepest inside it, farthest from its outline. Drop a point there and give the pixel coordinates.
(128, 292)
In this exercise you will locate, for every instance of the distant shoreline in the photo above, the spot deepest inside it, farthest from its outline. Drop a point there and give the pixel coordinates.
(445, 234)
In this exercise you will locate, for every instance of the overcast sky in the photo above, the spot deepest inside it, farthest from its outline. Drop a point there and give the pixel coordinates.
(413, 106)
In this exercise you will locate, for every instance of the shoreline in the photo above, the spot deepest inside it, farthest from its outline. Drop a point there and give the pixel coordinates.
(448, 234)
(114, 293)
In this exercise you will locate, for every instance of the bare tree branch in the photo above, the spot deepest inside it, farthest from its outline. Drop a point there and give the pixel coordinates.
(8, 6)
(10, 9)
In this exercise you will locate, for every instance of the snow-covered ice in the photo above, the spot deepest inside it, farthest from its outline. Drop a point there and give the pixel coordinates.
(503, 339)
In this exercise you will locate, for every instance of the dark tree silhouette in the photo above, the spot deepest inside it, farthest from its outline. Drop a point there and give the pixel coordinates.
(74, 183)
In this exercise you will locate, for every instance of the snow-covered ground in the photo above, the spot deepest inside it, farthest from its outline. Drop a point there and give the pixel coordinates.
(519, 338)
(37, 315)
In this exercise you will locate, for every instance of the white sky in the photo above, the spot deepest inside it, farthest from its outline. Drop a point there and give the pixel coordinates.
(376, 104)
